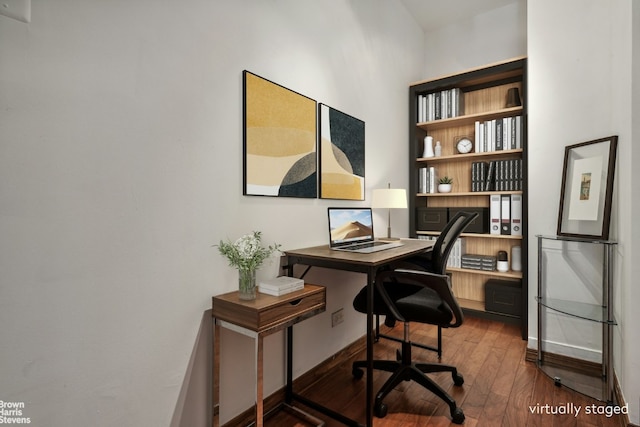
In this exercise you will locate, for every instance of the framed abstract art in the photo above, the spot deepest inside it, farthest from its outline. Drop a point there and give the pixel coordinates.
(341, 155)
(280, 131)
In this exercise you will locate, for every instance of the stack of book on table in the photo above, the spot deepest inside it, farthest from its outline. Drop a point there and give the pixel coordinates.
(280, 285)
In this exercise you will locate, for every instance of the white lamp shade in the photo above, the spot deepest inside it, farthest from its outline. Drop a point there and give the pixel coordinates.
(391, 198)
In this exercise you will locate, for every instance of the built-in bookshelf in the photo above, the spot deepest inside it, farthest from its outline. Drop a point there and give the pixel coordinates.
(473, 104)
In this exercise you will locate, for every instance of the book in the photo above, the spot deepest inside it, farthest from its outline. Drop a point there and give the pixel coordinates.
(280, 285)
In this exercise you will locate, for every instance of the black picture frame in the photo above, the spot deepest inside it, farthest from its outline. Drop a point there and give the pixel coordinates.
(587, 189)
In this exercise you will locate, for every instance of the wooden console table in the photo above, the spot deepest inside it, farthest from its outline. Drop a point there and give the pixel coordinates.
(258, 318)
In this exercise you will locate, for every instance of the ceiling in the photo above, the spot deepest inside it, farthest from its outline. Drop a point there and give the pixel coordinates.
(431, 14)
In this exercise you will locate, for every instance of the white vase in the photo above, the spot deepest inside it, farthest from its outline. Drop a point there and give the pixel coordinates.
(428, 147)
(444, 188)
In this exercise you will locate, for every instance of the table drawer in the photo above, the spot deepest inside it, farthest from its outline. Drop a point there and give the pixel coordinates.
(268, 311)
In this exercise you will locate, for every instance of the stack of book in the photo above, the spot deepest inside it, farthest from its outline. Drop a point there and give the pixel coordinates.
(428, 180)
(497, 175)
(440, 105)
(498, 134)
(457, 252)
(479, 262)
(280, 285)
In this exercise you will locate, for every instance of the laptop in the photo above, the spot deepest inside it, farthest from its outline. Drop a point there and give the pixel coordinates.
(351, 229)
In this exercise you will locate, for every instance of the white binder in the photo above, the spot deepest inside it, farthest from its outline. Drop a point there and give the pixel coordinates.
(516, 215)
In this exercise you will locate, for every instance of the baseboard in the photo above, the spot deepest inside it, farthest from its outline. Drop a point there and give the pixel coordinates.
(303, 382)
(577, 365)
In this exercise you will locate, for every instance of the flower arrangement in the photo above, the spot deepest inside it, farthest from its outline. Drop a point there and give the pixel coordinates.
(247, 253)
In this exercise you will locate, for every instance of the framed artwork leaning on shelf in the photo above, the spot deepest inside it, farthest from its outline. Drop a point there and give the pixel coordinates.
(587, 189)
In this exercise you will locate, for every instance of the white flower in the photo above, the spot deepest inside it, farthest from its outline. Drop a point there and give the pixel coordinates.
(247, 253)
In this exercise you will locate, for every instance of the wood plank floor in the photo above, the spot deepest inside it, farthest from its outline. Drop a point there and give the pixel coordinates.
(500, 388)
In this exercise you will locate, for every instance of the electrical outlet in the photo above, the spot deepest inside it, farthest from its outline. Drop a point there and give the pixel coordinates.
(16, 9)
(337, 317)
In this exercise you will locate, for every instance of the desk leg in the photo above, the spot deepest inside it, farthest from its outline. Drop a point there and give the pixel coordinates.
(369, 392)
(259, 379)
(216, 373)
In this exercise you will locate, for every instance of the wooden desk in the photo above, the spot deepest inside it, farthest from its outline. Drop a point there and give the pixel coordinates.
(369, 264)
(258, 318)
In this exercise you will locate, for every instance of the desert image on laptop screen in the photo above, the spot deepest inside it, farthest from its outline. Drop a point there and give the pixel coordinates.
(350, 224)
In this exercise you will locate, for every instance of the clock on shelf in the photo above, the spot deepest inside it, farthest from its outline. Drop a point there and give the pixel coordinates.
(464, 145)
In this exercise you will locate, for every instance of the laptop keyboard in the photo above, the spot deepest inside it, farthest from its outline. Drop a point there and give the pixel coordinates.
(366, 245)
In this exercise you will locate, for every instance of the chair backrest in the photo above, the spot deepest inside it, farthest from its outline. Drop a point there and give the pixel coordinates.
(446, 240)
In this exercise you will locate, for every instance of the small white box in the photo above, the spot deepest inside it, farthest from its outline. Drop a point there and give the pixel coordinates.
(280, 285)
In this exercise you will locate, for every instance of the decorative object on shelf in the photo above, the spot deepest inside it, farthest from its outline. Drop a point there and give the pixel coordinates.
(389, 198)
(341, 155)
(516, 258)
(464, 145)
(428, 147)
(503, 262)
(280, 127)
(444, 184)
(513, 98)
(438, 149)
(587, 189)
(247, 255)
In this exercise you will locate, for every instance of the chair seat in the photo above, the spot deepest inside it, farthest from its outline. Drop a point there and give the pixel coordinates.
(425, 306)
(417, 304)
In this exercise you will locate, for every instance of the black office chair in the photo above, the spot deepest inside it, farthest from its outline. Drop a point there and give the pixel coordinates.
(434, 261)
(412, 296)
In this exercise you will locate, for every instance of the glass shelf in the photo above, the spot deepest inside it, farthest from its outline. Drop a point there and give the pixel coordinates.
(592, 312)
(566, 370)
(577, 239)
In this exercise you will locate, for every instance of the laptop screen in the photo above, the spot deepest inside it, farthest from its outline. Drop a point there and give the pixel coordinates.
(350, 225)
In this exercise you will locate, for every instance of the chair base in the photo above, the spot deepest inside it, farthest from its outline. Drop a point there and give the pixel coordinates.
(406, 370)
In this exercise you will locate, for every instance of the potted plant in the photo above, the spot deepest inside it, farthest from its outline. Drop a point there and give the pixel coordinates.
(444, 184)
(247, 255)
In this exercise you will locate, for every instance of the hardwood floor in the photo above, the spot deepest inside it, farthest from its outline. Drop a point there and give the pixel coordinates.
(500, 388)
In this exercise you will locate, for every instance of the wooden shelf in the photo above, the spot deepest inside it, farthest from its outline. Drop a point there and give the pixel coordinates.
(483, 92)
(469, 119)
(469, 157)
(471, 304)
(507, 275)
(467, 193)
(476, 235)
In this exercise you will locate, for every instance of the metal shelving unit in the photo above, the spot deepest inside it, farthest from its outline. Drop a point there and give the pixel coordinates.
(571, 372)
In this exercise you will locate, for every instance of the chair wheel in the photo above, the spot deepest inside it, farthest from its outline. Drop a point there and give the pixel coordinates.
(357, 373)
(380, 410)
(458, 379)
(457, 416)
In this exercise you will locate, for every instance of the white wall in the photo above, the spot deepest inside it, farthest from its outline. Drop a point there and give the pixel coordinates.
(489, 37)
(581, 69)
(120, 167)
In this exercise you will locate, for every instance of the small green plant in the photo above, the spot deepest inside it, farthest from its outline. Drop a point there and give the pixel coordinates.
(445, 180)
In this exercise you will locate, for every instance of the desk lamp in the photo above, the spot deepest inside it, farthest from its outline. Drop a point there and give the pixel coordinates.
(389, 198)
